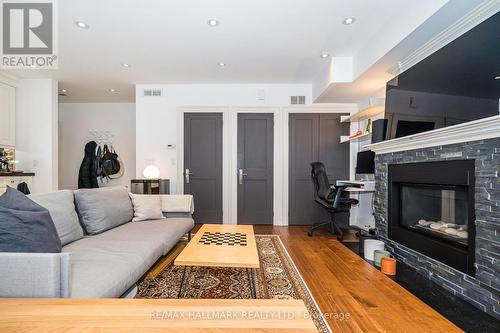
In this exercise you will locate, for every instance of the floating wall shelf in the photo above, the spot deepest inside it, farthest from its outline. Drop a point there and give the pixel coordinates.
(369, 109)
(346, 138)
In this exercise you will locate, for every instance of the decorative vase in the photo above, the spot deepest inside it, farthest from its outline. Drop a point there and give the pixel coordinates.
(388, 266)
(378, 255)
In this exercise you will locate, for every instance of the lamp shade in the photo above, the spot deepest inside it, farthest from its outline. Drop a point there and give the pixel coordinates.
(151, 172)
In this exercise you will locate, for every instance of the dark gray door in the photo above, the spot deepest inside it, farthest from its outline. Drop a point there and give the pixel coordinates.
(255, 168)
(314, 137)
(203, 164)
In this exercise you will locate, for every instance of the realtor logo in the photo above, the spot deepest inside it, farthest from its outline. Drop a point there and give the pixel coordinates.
(28, 34)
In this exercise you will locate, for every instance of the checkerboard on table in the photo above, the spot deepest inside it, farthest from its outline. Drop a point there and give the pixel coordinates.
(223, 238)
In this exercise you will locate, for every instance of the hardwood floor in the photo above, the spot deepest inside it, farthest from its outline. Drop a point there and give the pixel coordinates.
(356, 296)
(353, 295)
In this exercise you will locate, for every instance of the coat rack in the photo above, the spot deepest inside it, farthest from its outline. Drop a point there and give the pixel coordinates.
(102, 136)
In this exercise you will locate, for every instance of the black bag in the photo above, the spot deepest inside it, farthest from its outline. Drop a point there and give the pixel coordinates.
(109, 162)
(97, 169)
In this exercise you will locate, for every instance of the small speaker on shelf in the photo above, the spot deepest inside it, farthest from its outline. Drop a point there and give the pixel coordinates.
(379, 128)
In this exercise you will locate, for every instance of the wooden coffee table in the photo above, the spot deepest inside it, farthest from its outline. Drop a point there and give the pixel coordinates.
(218, 245)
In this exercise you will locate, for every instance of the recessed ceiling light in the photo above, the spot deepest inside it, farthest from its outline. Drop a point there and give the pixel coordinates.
(213, 23)
(497, 77)
(126, 65)
(348, 20)
(81, 25)
(113, 90)
(324, 55)
(221, 64)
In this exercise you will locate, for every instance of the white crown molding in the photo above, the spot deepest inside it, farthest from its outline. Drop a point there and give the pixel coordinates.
(486, 128)
(479, 14)
(323, 108)
(313, 108)
(9, 79)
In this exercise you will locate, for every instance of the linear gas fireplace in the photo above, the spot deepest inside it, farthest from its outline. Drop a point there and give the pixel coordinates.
(431, 210)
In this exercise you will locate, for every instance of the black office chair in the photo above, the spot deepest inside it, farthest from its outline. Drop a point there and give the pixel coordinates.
(333, 199)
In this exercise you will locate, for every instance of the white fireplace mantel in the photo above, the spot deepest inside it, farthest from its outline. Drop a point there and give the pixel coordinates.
(481, 129)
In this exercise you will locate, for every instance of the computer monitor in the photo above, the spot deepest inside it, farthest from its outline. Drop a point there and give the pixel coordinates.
(365, 163)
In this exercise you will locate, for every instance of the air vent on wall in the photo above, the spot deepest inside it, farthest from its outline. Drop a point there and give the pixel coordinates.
(297, 99)
(152, 93)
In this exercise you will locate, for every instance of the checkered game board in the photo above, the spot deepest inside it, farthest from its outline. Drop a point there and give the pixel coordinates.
(223, 238)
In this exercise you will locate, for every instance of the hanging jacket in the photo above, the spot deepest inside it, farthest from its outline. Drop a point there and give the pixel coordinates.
(87, 177)
(23, 188)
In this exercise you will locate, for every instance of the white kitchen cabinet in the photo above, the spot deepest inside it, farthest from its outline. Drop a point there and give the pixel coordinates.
(7, 115)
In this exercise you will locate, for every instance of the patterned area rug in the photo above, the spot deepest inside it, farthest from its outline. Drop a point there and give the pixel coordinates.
(277, 278)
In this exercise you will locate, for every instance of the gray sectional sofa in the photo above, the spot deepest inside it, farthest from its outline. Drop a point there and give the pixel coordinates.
(103, 254)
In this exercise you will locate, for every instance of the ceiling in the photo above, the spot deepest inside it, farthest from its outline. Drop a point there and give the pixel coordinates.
(433, 29)
(261, 41)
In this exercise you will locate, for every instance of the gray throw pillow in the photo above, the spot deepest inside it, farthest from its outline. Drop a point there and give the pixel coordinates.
(61, 206)
(103, 208)
(26, 226)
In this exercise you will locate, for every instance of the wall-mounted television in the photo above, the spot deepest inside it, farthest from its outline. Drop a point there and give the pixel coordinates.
(458, 83)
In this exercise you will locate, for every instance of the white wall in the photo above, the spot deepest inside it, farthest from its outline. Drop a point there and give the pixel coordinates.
(156, 117)
(76, 119)
(36, 132)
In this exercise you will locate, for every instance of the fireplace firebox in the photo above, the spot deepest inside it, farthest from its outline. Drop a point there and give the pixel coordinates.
(431, 210)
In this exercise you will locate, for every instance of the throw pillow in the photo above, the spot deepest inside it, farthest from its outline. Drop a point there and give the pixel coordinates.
(101, 209)
(61, 206)
(26, 226)
(146, 207)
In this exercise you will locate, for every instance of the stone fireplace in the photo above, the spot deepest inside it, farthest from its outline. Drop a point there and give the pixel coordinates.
(431, 210)
(438, 210)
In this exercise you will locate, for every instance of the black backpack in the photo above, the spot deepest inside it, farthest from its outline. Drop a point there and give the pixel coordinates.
(109, 162)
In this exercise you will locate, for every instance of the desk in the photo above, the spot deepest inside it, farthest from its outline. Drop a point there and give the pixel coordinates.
(361, 216)
(357, 190)
(361, 185)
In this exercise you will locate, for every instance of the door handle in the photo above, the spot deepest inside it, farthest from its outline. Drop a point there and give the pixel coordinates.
(187, 174)
(241, 174)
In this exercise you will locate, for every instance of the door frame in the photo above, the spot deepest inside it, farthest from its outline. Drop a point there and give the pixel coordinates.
(209, 115)
(230, 151)
(277, 163)
(180, 152)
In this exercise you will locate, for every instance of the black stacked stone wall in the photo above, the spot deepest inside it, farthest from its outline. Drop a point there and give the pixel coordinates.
(483, 290)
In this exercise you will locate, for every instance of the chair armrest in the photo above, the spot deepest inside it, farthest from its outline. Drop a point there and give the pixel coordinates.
(338, 195)
(34, 275)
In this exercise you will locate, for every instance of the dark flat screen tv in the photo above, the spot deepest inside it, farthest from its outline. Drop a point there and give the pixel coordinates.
(458, 83)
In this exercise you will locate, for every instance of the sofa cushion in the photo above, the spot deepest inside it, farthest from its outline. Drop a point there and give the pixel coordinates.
(25, 226)
(104, 208)
(146, 207)
(108, 264)
(61, 207)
